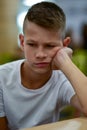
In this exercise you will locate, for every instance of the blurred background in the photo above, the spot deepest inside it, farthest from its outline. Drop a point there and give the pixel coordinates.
(12, 13)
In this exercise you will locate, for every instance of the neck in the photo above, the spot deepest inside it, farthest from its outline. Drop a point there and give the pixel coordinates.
(33, 80)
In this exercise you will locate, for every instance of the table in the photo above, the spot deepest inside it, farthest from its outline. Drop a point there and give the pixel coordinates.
(70, 124)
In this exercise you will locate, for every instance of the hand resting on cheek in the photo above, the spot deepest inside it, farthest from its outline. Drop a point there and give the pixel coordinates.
(61, 56)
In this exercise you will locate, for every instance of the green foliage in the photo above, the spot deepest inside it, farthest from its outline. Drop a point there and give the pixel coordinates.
(7, 57)
(69, 112)
(80, 59)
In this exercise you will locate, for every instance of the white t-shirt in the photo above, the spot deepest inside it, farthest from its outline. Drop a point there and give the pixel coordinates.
(24, 107)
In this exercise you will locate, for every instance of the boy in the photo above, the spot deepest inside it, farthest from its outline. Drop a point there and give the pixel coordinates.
(31, 92)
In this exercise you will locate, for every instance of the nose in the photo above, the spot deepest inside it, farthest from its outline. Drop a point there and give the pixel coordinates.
(41, 53)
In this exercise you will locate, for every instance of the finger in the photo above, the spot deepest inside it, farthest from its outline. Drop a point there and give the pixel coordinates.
(69, 51)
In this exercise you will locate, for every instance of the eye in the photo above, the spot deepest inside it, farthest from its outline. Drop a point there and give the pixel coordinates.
(50, 46)
(31, 44)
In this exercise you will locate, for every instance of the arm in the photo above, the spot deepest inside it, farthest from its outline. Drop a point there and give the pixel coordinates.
(3, 124)
(76, 77)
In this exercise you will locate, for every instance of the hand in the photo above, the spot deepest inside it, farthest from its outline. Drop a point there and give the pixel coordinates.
(61, 56)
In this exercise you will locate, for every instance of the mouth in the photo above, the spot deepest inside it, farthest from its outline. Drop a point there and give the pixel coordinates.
(42, 64)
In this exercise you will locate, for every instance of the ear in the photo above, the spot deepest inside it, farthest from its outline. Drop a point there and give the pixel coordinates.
(66, 41)
(21, 40)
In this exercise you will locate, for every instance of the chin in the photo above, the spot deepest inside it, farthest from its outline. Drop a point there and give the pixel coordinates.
(43, 71)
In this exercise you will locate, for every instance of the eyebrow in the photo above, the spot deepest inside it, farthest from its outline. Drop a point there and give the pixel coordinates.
(55, 43)
(49, 42)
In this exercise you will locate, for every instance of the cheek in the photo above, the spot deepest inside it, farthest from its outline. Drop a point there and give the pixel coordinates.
(30, 55)
(27, 53)
(52, 52)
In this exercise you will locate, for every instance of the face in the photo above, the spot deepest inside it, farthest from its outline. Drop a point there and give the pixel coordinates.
(38, 45)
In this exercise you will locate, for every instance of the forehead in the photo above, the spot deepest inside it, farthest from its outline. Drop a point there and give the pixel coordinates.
(32, 29)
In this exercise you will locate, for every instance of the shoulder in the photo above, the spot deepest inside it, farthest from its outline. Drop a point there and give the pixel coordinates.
(61, 80)
(6, 70)
(58, 74)
(10, 65)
